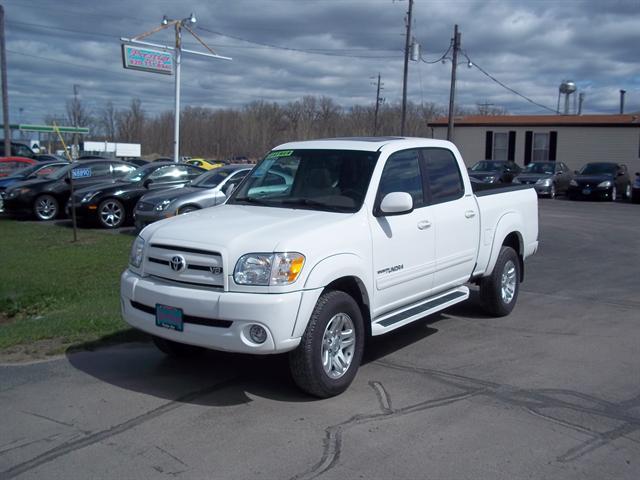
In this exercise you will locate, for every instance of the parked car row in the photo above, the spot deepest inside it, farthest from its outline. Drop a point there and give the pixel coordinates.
(111, 193)
(598, 180)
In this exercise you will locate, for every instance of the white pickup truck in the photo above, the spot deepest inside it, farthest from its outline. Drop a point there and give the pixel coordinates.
(324, 243)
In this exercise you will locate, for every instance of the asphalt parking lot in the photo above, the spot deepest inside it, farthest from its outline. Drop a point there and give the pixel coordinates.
(552, 391)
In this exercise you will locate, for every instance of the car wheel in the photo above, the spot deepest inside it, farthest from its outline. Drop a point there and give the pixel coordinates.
(499, 291)
(188, 208)
(46, 207)
(175, 349)
(552, 191)
(327, 359)
(111, 213)
(614, 194)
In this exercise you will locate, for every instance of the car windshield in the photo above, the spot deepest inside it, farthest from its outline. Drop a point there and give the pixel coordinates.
(140, 173)
(329, 180)
(212, 178)
(487, 166)
(599, 169)
(25, 172)
(546, 168)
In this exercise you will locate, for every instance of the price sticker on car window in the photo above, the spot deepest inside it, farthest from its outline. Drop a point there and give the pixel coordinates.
(81, 172)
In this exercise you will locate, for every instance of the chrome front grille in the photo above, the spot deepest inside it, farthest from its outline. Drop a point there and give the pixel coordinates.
(185, 265)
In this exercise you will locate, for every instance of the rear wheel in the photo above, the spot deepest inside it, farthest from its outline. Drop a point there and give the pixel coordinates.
(327, 359)
(46, 207)
(628, 192)
(111, 213)
(175, 349)
(499, 291)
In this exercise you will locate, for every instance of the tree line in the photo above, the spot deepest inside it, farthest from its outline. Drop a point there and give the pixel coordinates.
(252, 129)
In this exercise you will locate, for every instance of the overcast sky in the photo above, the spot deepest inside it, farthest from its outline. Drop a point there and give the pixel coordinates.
(326, 47)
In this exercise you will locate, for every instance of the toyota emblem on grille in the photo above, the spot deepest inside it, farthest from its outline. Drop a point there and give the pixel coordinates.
(177, 263)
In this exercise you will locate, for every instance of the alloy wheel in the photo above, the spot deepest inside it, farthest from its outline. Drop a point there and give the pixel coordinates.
(508, 282)
(338, 345)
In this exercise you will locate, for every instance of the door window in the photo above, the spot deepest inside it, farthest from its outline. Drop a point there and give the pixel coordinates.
(443, 173)
(119, 170)
(402, 174)
(170, 173)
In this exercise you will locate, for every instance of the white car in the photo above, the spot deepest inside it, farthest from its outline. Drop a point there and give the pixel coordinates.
(372, 234)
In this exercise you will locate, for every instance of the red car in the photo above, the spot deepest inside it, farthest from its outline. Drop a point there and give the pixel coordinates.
(10, 164)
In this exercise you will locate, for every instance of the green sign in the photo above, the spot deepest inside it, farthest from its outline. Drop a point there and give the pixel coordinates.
(48, 128)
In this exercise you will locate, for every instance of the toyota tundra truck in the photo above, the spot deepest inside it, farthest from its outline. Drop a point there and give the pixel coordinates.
(326, 243)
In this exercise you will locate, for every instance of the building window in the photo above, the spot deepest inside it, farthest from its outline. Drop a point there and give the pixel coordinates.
(540, 147)
(500, 146)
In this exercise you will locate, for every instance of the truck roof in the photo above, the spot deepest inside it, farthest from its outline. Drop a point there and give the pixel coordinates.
(371, 144)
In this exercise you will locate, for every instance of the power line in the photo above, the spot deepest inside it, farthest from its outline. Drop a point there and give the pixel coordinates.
(442, 57)
(474, 64)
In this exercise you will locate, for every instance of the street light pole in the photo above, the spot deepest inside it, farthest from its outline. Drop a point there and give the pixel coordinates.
(178, 62)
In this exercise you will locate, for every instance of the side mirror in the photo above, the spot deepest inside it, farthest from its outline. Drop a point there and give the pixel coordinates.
(147, 182)
(637, 174)
(620, 174)
(396, 203)
(229, 189)
(67, 179)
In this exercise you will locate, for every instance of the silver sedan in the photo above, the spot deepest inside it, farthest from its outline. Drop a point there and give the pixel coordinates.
(208, 190)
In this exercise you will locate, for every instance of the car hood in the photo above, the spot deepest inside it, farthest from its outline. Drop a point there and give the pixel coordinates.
(33, 182)
(157, 197)
(483, 173)
(533, 176)
(235, 230)
(594, 178)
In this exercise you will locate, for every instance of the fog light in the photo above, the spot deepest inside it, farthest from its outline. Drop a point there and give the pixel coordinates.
(258, 334)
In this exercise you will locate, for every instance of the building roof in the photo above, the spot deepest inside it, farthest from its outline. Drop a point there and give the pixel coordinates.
(544, 120)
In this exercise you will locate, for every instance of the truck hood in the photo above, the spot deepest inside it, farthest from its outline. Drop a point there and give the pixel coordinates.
(240, 229)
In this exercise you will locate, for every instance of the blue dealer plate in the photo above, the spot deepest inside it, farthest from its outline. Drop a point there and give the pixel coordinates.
(169, 317)
(586, 191)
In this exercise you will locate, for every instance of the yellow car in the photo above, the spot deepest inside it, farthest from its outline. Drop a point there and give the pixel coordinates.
(206, 164)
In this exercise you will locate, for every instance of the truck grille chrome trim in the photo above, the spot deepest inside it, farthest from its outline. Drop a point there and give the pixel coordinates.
(184, 249)
(207, 322)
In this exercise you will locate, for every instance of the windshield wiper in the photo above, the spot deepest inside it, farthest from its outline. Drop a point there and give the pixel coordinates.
(253, 200)
(305, 202)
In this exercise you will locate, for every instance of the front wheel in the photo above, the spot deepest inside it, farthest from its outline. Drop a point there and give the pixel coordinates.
(327, 359)
(499, 291)
(552, 191)
(46, 207)
(111, 213)
(614, 194)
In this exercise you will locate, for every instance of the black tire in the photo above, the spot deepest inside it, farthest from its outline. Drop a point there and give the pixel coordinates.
(46, 207)
(111, 213)
(494, 301)
(175, 349)
(306, 362)
(187, 209)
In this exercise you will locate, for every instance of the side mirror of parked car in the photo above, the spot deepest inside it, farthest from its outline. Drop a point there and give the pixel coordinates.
(229, 189)
(396, 203)
(147, 182)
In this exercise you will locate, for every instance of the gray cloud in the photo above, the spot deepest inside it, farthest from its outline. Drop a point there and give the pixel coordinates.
(529, 45)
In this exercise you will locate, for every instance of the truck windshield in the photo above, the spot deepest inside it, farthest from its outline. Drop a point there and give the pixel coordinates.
(329, 180)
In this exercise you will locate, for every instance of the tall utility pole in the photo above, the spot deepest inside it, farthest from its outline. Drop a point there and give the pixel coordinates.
(406, 68)
(5, 91)
(178, 62)
(76, 147)
(378, 102)
(452, 91)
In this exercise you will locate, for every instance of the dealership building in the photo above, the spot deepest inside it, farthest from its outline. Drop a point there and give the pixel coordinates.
(572, 139)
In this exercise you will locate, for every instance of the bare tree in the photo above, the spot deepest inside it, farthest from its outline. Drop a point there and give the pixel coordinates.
(107, 121)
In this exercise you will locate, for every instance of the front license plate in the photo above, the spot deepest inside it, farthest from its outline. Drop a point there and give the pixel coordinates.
(169, 317)
(586, 191)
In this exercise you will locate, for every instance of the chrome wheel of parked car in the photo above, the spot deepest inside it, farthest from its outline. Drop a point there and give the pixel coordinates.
(552, 191)
(628, 192)
(111, 213)
(338, 344)
(614, 194)
(508, 281)
(46, 207)
(330, 350)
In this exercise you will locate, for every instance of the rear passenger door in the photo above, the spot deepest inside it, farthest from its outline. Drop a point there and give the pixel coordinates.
(455, 217)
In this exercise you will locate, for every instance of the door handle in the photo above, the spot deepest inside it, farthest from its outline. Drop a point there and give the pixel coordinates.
(469, 214)
(424, 224)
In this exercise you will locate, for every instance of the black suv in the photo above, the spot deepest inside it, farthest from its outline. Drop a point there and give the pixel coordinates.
(45, 197)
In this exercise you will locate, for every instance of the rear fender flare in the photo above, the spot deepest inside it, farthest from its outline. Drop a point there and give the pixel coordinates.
(509, 223)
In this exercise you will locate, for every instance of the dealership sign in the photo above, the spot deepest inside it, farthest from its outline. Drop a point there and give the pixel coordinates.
(147, 59)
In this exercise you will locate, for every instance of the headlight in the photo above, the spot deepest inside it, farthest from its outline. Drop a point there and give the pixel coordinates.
(164, 204)
(573, 183)
(489, 179)
(89, 196)
(137, 252)
(546, 182)
(605, 184)
(268, 268)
